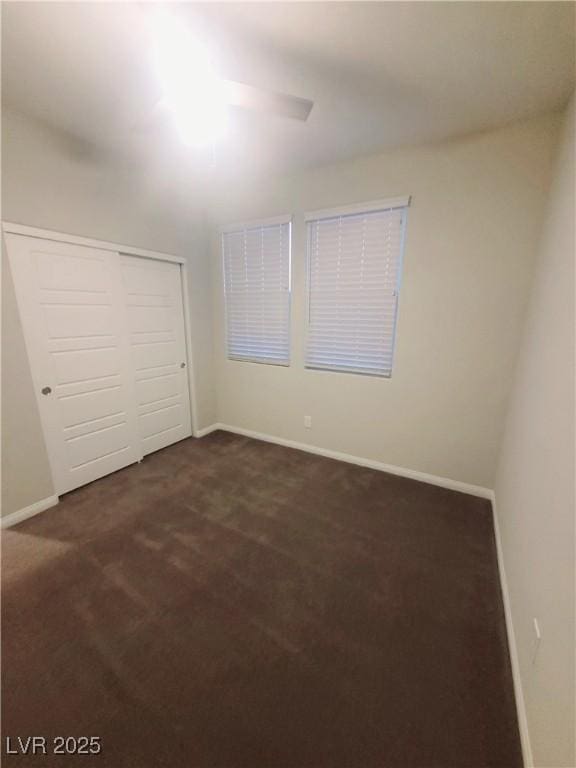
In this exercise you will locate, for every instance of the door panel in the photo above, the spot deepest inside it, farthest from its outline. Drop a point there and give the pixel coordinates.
(87, 427)
(149, 355)
(86, 365)
(89, 321)
(74, 270)
(97, 443)
(88, 406)
(153, 298)
(70, 301)
(160, 421)
(157, 389)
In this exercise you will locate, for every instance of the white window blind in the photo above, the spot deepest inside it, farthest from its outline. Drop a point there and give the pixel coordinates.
(257, 291)
(354, 262)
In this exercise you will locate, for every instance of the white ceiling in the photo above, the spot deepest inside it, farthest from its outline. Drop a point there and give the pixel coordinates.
(381, 74)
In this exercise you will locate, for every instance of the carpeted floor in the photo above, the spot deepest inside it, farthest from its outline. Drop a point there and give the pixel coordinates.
(234, 603)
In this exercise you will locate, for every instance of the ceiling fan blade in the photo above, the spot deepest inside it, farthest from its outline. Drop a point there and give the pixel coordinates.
(249, 97)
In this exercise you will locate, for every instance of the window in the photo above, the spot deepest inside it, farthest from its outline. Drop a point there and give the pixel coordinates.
(354, 262)
(257, 291)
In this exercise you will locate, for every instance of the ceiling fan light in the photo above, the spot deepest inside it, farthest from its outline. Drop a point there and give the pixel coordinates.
(200, 123)
(192, 89)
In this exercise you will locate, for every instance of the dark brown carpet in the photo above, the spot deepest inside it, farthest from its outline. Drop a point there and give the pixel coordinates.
(233, 603)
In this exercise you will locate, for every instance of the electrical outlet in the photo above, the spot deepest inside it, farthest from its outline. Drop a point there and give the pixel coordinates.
(308, 422)
(536, 640)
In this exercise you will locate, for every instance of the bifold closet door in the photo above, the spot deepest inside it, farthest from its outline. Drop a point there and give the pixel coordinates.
(72, 308)
(155, 317)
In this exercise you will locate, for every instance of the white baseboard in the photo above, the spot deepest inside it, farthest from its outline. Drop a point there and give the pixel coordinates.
(206, 430)
(413, 474)
(23, 514)
(513, 648)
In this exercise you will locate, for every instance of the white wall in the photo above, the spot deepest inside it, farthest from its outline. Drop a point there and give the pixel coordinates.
(52, 181)
(472, 230)
(535, 480)
(26, 474)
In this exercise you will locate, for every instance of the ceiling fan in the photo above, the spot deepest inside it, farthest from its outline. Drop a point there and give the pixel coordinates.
(281, 104)
(196, 93)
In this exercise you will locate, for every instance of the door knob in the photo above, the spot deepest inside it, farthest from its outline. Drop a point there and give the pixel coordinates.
(46, 390)
(182, 365)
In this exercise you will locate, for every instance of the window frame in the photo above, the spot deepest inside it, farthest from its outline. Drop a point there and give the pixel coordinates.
(354, 209)
(244, 226)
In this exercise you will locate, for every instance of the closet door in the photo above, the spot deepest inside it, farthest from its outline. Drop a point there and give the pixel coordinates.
(153, 298)
(71, 305)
